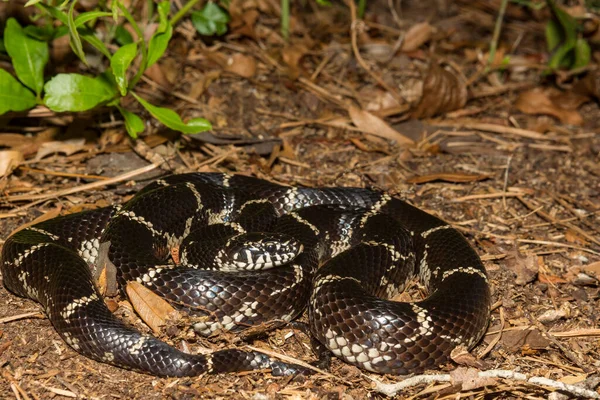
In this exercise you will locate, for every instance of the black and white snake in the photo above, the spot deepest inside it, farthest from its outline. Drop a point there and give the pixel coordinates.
(344, 250)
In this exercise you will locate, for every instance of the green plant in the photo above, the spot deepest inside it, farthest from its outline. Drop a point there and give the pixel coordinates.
(211, 20)
(28, 50)
(563, 37)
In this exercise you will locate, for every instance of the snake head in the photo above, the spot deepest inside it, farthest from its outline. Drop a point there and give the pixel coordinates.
(258, 251)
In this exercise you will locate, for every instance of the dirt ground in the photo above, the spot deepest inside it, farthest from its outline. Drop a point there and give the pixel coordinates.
(509, 155)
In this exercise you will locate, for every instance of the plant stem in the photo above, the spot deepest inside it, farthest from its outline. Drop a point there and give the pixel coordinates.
(140, 35)
(183, 11)
(362, 5)
(285, 19)
(497, 30)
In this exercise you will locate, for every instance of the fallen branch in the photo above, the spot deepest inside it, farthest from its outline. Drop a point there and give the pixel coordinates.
(391, 389)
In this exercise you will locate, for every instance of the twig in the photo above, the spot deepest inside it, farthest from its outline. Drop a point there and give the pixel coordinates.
(568, 353)
(506, 181)
(81, 188)
(292, 360)
(393, 388)
(65, 174)
(493, 128)
(553, 220)
(355, 26)
(35, 314)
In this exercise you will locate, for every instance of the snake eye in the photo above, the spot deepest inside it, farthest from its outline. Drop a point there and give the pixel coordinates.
(271, 248)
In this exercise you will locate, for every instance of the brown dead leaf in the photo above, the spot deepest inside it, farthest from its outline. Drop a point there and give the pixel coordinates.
(499, 57)
(243, 24)
(12, 140)
(573, 379)
(102, 281)
(448, 177)
(593, 268)
(443, 91)
(292, 55)
(9, 160)
(588, 85)
(554, 315)
(552, 279)
(378, 100)
(153, 309)
(242, 65)
(572, 236)
(515, 340)
(547, 102)
(171, 69)
(469, 379)
(369, 123)
(525, 267)
(461, 356)
(105, 272)
(66, 147)
(416, 36)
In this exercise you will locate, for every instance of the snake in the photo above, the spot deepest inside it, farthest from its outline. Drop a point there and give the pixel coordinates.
(251, 251)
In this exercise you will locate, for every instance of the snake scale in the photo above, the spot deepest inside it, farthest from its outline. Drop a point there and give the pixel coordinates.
(343, 250)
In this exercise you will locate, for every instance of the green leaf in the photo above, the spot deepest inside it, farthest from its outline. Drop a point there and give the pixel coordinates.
(160, 40)
(89, 36)
(29, 56)
(85, 32)
(561, 37)
(90, 15)
(170, 118)
(74, 92)
(163, 14)
(133, 123)
(211, 20)
(122, 36)
(75, 41)
(56, 13)
(32, 2)
(553, 34)
(44, 33)
(583, 54)
(158, 45)
(13, 95)
(120, 62)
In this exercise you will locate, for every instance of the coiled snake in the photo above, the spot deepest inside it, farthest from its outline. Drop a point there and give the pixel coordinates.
(344, 250)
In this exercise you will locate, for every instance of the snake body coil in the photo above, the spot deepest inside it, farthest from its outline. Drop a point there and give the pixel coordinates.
(366, 243)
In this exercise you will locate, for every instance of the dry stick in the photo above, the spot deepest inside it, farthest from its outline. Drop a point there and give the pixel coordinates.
(496, 339)
(557, 244)
(17, 390)
(568, 353)
(487, 196)
(553, 220)
(81, 188)
(354, 28)
(35, 314)
(493, 128)
(293, 360)
(65, 174)
(530, 241)
(577, 333)
(394, 13)
(506, 181)
(391, 389)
